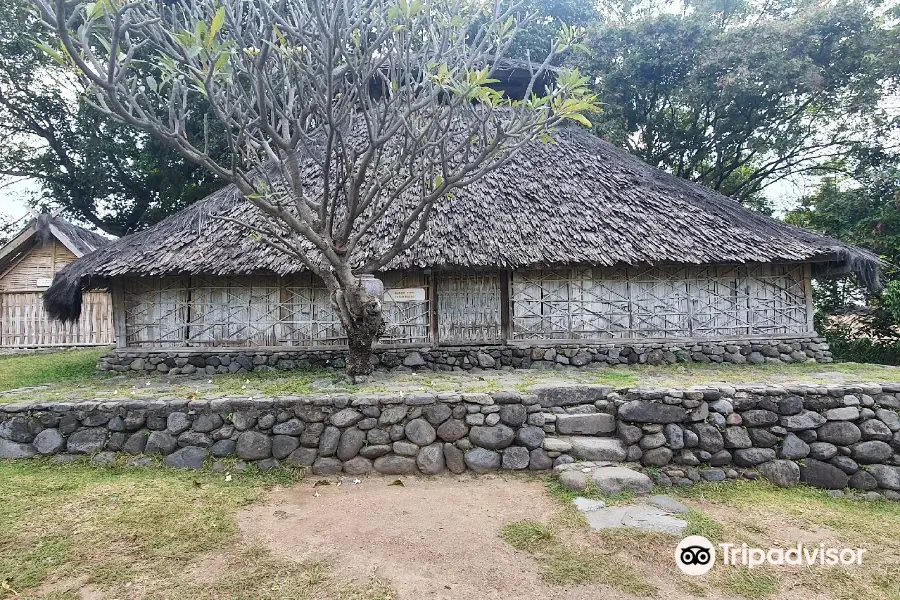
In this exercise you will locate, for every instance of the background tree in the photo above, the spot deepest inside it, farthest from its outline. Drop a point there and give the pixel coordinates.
(334, 113)
(740, 94)
(93, 169)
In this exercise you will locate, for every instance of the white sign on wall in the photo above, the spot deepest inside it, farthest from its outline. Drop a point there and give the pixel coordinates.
(44, 282)
(405, 295)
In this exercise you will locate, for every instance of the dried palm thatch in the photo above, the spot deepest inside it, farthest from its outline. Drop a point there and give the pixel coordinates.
(576, 201)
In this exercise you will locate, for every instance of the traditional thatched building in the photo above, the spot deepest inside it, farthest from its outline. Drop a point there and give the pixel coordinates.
(574, 252)
(28, 264)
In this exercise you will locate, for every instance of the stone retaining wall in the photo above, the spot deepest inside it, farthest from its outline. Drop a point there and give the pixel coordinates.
(241, 360)
(831, 437)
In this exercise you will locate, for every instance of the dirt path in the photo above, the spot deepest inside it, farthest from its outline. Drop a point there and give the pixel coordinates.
(431, 540)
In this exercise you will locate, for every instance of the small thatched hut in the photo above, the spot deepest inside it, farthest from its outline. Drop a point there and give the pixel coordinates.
(28, 264)
(574, 252)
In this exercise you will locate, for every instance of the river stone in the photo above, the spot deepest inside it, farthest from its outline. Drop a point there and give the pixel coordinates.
(160, 442)
(873, 429)
(841, 433)
(482, 460)
(375, 450)
(614, 480)
(358, 466)
(430, 459)
(540, 460)
(395, 465)
(844, 413)
(243, 420)
(862, 480)
(652, 440)
(762, 438)
(657, 457)
(887, 477)
(871, 452)
(452, 430)
(16, 450)
(420, 432)
(136, 442)
(793, 448)
(592, 448)
(346, 418)
(86, 441)
(737, 437)
(783, 473)
(556, 445)
(759, 418)
(845, 464)
(674, 435)
(193, 438)
(392, 415)
(709, 438)
(513, 415)
(437, 413)
(352, 440)
(516, 458)
(327, 466)
(822, 475)
(177, 422)
(651, 412)
(253, 445)
(283, 445)
(493, 438)
(328, 441)
(750, 457)
(289, 427)
(20, 429)
(206, 422)
(573, 480)
(454, 459)
(889, 418)
(629, 434)
(805, 420)
(187, 458)
(822, 450)
(405, 448)
(50, 441)
(302, 457)
(223, 448)
(105, 458)
(531, 437)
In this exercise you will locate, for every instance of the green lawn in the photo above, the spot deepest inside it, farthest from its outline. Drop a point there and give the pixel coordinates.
(19, 371)
(144, 533)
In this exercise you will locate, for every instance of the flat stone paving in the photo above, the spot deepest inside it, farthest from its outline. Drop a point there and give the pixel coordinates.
(656, 514)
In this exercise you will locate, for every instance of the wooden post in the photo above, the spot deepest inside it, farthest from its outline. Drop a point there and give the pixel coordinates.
(432, 309)
(505, 306)
(807, 285)
(118, 306)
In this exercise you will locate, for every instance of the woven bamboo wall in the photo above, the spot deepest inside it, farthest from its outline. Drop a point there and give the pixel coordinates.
(23, 322)
(568, 304)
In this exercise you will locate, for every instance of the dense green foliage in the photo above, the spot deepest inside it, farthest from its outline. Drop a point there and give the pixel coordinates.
(741, 94)
(96, 171)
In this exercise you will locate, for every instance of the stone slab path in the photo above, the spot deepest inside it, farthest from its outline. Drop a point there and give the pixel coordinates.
(655, 515)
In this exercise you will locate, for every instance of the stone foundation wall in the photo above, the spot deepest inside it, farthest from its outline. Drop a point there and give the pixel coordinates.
(832, 437)
(212, 361)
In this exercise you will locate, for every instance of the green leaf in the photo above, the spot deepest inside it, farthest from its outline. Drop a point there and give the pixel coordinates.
(217, 23)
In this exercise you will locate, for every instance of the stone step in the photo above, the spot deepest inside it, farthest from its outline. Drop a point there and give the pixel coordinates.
(586, 424)
(588, 447)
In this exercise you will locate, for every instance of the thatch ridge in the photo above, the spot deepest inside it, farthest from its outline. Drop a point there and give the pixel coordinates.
(576, 201)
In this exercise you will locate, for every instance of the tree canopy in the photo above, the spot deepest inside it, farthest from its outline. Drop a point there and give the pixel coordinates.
(739, 94)
(92, 168)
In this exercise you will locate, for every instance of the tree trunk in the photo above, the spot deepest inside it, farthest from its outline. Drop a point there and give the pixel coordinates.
(364, 324)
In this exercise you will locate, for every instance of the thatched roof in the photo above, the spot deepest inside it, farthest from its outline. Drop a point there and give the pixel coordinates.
(577, 201)
(43, 228)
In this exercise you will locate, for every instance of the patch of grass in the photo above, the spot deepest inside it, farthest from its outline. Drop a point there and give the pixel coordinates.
(292, 383)
(700, 523)
(527, 535)
(592, 492)
(21, 371)
(750, 583)
(117, 529)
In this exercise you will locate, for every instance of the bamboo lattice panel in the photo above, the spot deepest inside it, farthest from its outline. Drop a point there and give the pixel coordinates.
(254, 311)
(659, 302)
(24, 324)
(469, 308)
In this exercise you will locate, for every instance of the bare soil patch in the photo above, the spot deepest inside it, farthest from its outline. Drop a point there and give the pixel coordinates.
(434, 539)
